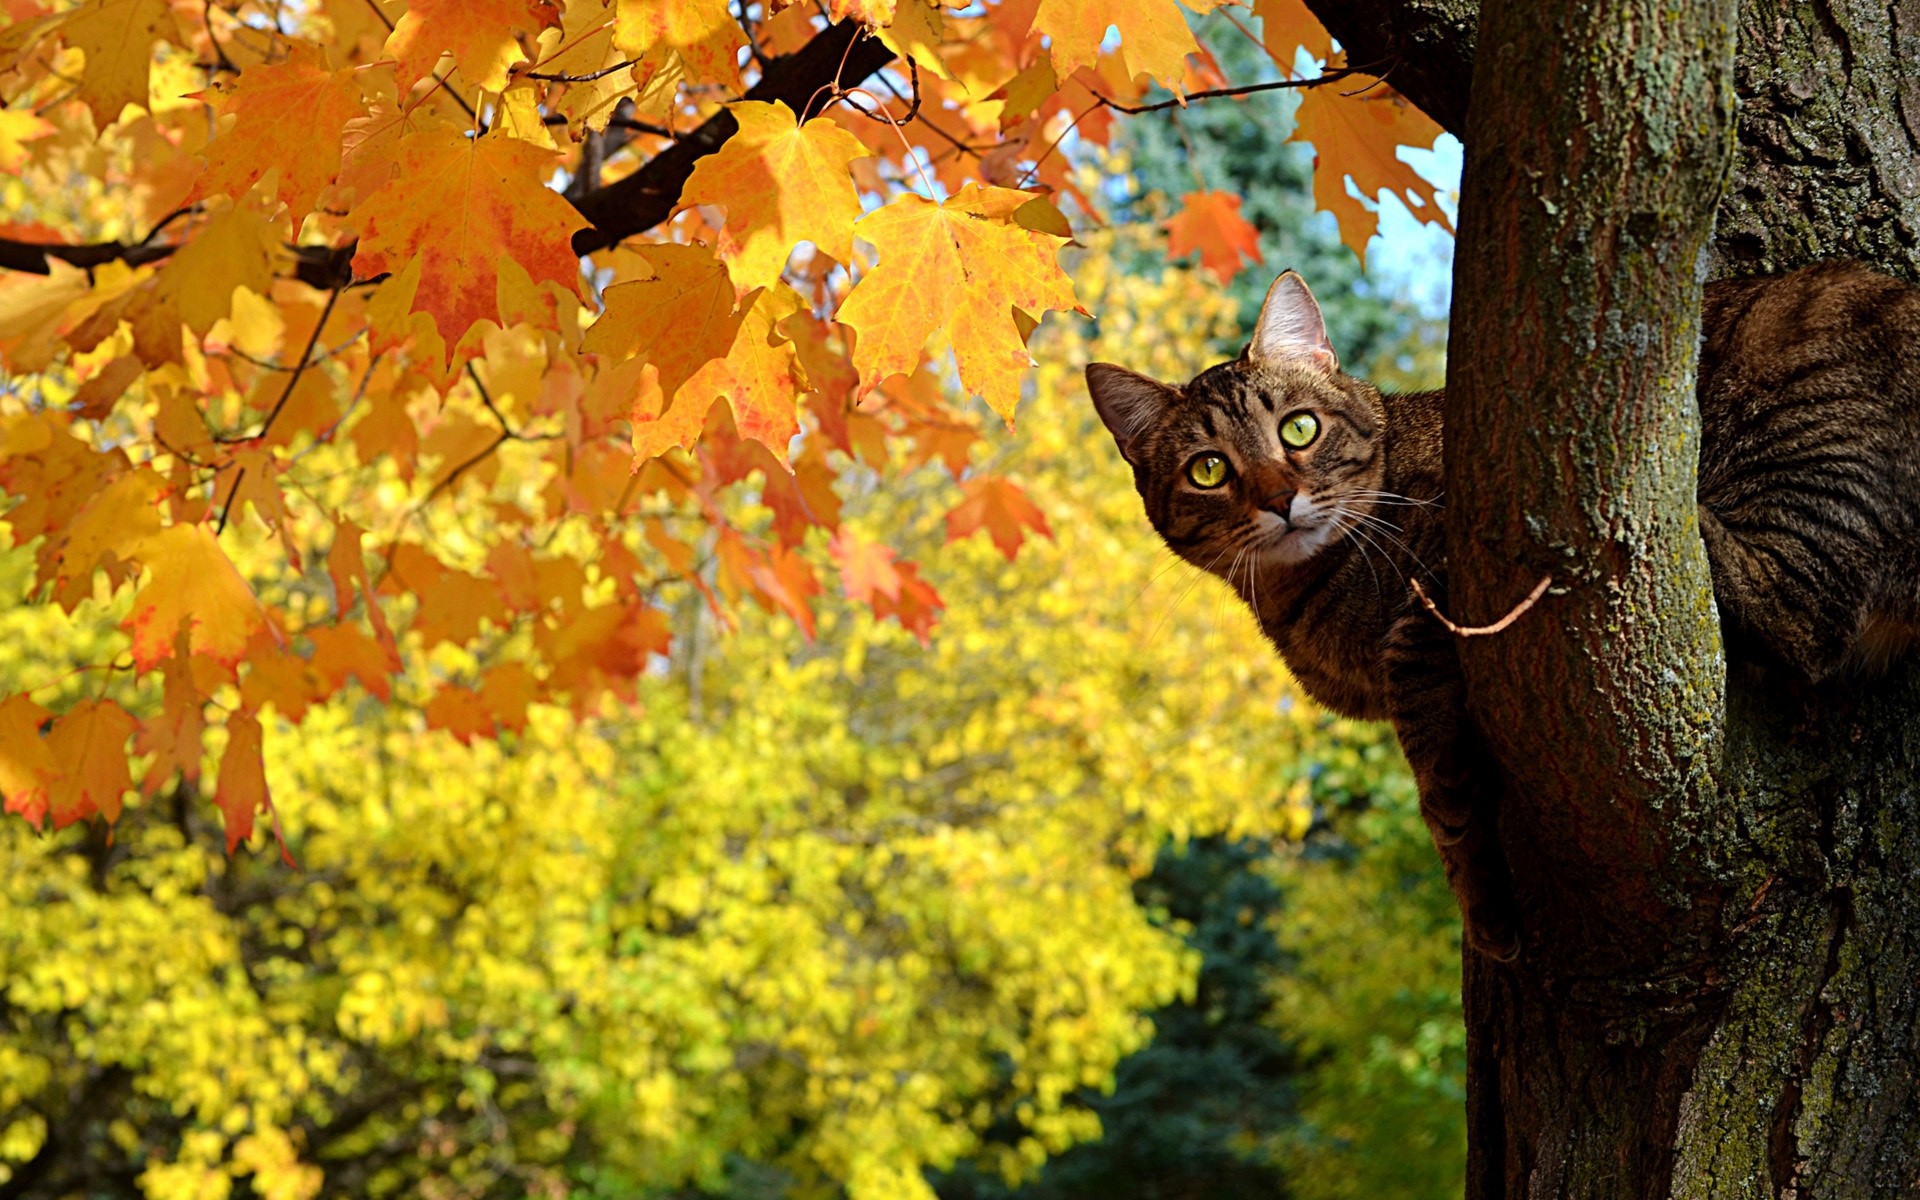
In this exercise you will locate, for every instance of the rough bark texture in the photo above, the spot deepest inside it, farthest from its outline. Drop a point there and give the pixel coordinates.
(1719, 871)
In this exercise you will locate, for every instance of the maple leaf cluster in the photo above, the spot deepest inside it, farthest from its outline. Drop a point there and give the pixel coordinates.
(434, 346)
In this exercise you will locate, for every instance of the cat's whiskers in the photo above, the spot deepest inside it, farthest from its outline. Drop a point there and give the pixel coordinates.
(1392, 532)
(1192, 582)
(1360, 542)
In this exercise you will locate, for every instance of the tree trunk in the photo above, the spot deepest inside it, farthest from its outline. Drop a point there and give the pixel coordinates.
(1719, 873)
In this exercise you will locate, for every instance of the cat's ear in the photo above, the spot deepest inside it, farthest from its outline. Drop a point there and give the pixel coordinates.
(1290, 329)
(1129, 403)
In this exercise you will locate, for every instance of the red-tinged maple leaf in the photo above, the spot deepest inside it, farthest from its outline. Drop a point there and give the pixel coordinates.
(963, 267)
(173, 735)
(190, 579)
(460, 711)
(242, 787)
(1287, 25)
(28, 768)
(805, 499)
(117, 37)
(782, 579)
(484, 37)
(866, 568)
(919, 606)
(1210, 222)
(998, 506)
(782, 183)
(458, 206)
(90, 744)
(1154, 38)
(287, 118)
(343, 650)
(1358, 135)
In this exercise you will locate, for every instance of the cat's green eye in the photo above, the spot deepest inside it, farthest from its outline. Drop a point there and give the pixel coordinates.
(1207, 471)
(1299, 430)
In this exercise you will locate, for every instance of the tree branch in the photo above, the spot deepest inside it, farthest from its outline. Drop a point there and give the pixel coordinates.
(1426, 47)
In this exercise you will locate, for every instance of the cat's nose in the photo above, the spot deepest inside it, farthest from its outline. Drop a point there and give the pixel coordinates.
(1280, 504)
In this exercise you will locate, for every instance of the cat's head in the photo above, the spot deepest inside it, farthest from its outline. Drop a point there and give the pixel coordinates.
(1269, 454)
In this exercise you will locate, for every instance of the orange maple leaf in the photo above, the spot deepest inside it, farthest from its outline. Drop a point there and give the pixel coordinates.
(1210, 222)
(1002, 509)
(117, 36)
(457, 206)
(1154, 38)
(966, 266)
(190, 579)
(90, 744)
(28, 768)
(1358, 135)
(460, 711)
(173, 736)
(242, 787)
(781, 183)
(287, 118)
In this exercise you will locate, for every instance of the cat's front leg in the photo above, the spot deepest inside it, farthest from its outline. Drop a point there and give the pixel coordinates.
(1428, 705)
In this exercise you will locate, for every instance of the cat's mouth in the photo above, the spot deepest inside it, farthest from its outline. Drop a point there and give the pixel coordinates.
(1293, 539)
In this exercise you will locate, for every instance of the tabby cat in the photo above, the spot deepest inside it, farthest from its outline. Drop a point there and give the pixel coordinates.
(1317, 498)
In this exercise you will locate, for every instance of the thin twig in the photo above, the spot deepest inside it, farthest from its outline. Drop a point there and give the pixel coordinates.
(555, 77)
(226, 509)
(293, 381)
(1325, 77)
(1467, 631)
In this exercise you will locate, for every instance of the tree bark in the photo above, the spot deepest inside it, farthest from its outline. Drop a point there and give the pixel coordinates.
(1719, 872)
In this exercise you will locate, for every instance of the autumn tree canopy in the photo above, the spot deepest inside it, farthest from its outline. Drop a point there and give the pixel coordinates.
(428, 348)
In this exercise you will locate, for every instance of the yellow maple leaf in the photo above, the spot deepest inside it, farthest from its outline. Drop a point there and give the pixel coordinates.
(916, 31)
(288, 118)
(117, 36)
(1154, 38)
(966, 266)
(17, 128)
(190, 579)
(233, 250)
(27, 765)
(781, 183)
(700, 36)
(458, 205)
(1357, 135)
(482, 35)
